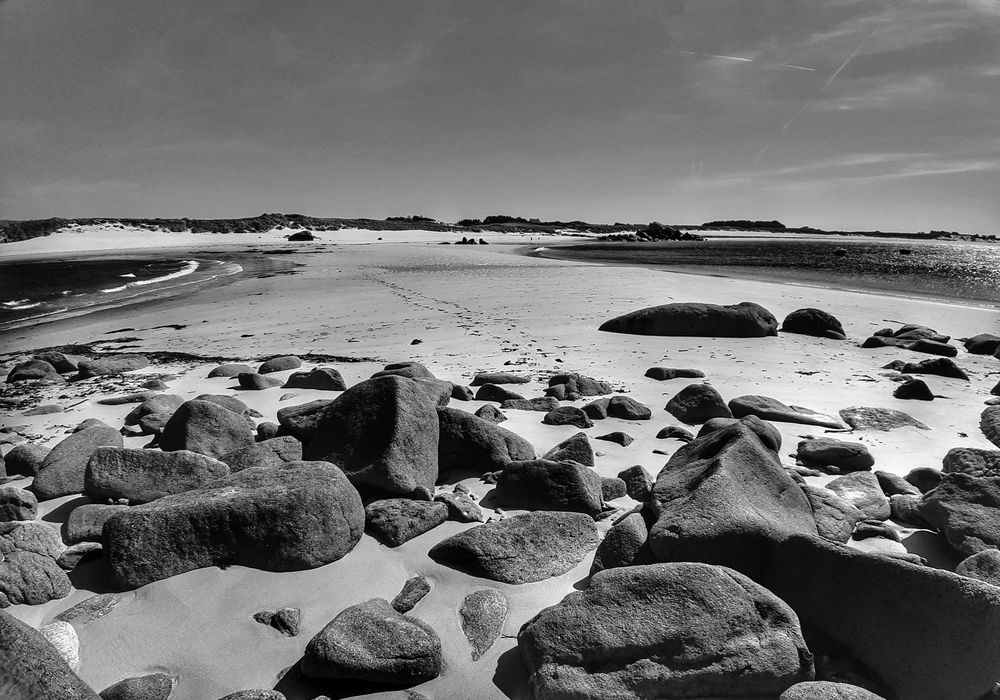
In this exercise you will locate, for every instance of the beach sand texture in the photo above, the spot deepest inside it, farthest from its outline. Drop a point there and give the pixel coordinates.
(472, 309)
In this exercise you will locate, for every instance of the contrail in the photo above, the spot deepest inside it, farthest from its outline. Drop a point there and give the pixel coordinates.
(848, 60)
(744, 60)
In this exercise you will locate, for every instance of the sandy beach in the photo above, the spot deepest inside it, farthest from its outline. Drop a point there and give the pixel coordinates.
(372, 298)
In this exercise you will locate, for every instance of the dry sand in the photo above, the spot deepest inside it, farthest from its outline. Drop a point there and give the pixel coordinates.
(473, 308)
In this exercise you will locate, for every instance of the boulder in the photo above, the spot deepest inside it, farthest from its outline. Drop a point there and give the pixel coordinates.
(989, 423)
(491, 413)
(893, 484)
(86, 522)
(663, 374)
(140, 476)
(522, 549)
(638, 482)
(677, 630)
(678, 433)
(90, 609)
(33, 669)
(940, 366)
(568, 415)
(768, 434)
(33, 370)
(835, 517)
(982, 344)
(815, 322)
(287, 621)
(123, 399)
(279, 364)
(575, 448)
(207, 428)
(913, 390)
(63, 362)
(499, 378)
(266, 453)
(627, 408)
(493, 392)
(827, 690)
(409, 370)
(863, 491)
(373, 642)
(17, 504)
(413, 592)
(462, 393)
(62, 636)
(766, 408)
(253, 381)
(469, 442)
(297, 516)
(397, 520)
(229, 370)
(578, 384)
(461, 507)
(482, 614)
(883, 419)
(743, 320)
(25, 459)
(617, 437)
(725, 499)
(931, 347)
(697, 403)
(971, 461)
(384, 434)
(966, 510)
(321, 378)
(76, 554)
(29, 573)
(624, 544)
(554, 486)
(984, 566)
(255, 694)
(110, 366)
(160, 404)
(541, 403)
(153, 686)
(597, 409)
(924, 478)
(612, 488)
(894, 617)
(63, 471)
(834, 456)
(268, 431)
(300, 421)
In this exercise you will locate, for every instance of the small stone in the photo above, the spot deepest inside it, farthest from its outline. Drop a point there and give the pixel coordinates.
(413, 592)
(62, 636)
(285, 620)
(483, 614)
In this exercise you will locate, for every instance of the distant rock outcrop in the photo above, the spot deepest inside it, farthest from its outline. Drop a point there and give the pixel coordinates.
(743, 320)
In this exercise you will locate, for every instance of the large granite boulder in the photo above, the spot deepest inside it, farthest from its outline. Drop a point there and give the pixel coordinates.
(939, 366)
(469, 442)
(568, 415)
(815, 322)
(398, 520)
(726, 499)
(321, 379)
(570, 384)
(676, 630)
(86, 523)
(384, 434)
(983, 344)
(966, 510)
(575, 448)
(523, 549)
(663, 374)
(624, 545)
(63, 471)
(297, 516)
(627, 408)
(544, 485)
(768, 434)
(827, 690)
(207, 428)
(697, 403)
(482, 614)
(894, 617)
(971, 461)
(62, 361)
(498, 378)
(266, 453)
(834, 456)
(766, 408)
(371, 641)
(989, 423)
(29, 573)
(300, 421)
(141, 476)
(743, 320)
(32, 370)
(984, 566)
(159, 405)
(25, 459)
(32, 669)
(494, 392)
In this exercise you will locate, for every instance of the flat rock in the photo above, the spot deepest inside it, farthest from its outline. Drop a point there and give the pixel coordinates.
(398, 520)
(384, 434)
(482, 614)
(863, 491)
(663, 374)
(679, 630)
(320, 379)
(697, 403)
(522, 549)
(743, 320)
(297, 516)
(207, 428)
(726, 499)
(141, 476)
(554, 486)
(109, 366)
(893, 617)
(834, 456)
(539, 403)
(63, 471)
(617, 437)
(498, 378)
(469, 442)
(92, 608)
(966, 510)
(371, 641)
(61, 361)
(32, 667)
(884, 419)
(766, 408)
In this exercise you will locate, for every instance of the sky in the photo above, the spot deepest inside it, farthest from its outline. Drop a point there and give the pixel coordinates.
(840, 114)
